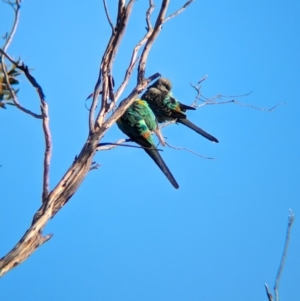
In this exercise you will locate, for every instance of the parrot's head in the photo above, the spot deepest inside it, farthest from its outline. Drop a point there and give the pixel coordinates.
(162, 84)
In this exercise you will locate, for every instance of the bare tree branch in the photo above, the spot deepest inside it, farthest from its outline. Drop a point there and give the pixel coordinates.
(83, 163)
(282, 261)
(179, 11)
(107, 62)
(148, 15)
(285, 249)
(107, 15)
(269, 294)
(13, 94)
(198, 90)
(16, 7)
(106, 65)
(242, 104)
(48, 149)
(190, 151)
(109, 146)
(44, 117)
(153, 35)
(214, 100)
(136, 49)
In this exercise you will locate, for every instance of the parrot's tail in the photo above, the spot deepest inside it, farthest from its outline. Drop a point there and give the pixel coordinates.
(197, 129)
(162, 165)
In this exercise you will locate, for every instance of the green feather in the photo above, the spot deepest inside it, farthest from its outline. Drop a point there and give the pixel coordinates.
(167, 108)
(137, 123)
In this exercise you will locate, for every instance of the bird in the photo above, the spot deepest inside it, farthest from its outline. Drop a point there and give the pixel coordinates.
(137, 123)
(167, 108)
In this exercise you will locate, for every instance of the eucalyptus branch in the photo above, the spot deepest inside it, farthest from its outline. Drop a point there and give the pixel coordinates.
(242, 104)
(167, 123)
(108, 59)
(148, 15)
(13, 94)
(190, 151)
(285, 249)
(109, 146)
(179, 11)
(216, 99)
(107, 15)
(282, 261)
(135, 51)
(83, 163)
(153, 32)
(16, 7)
(44, 116)
(269, 294)
(106, 64)
(197, 88)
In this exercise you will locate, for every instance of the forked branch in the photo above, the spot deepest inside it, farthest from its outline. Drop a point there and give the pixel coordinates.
(216, 100)
(54, 200)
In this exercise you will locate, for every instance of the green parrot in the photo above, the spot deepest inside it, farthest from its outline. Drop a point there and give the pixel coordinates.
(167, 108)
(137, 123)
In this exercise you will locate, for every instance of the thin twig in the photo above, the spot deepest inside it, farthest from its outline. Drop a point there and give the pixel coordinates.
(46, 130)
(154, 33)
(198, 90)
(109, 56)
(14, 96)
(9, 38)
(189, 150)
(213, 101)
(167, 123)
(282, 261)
(108, 17)
(48, 150)
(94, 165)
(283, 257)
(148, 15)
(135, 51)
(128, 73)
(269, 294)
(243, 104)
(16, 7)
(109, 146)
(178, 11)
(44, 116)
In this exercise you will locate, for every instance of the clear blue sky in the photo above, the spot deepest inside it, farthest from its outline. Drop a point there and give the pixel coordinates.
(127, 234)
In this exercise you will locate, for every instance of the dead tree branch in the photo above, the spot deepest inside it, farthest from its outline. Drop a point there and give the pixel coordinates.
(136, 49)
(216, 99)
(282, 261)
(269, 294)
(14, 97)
(45, 120)
(190, 151)
(70, 182)
(179, 11)
(285, 249)
(16, 7)
(107, 15)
